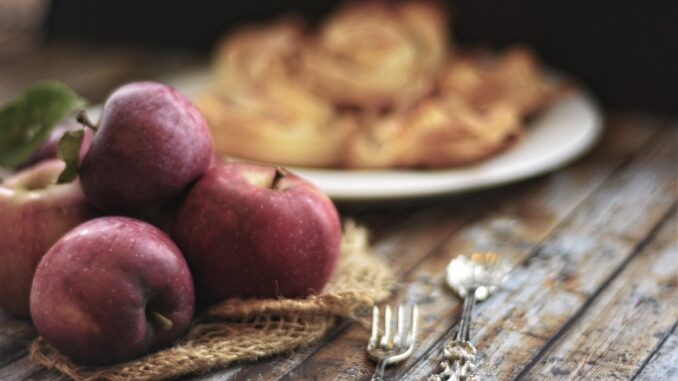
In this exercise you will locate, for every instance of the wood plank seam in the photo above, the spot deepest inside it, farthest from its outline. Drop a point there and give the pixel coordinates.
(650, 143)
(662, 365)
(18, 355)
(656, 349)
(536, 250)
(640, 246)
(625, 322)
(549, 341)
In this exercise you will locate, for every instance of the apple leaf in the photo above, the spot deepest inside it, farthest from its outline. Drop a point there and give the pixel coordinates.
(27, 121)
(68, 150)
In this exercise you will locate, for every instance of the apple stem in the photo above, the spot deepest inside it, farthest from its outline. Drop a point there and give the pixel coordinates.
(280, 173)
(164, 322)
(83, 119)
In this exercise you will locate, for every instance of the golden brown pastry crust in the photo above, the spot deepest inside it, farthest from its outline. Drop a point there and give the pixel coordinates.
(437, 132)
(375, 87)
(377, 55)
(262, 108)
(513, 77)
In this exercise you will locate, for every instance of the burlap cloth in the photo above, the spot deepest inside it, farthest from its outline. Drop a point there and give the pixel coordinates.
(245, 330)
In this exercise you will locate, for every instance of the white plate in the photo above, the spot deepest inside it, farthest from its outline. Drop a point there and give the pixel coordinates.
(561, 133)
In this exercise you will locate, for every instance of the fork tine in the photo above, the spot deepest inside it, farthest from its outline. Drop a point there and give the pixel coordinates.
(375, 328)
(386, 338)
(393, 347)
(400, 339)
(414, 318)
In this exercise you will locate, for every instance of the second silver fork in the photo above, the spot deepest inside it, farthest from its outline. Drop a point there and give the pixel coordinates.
(396, 342)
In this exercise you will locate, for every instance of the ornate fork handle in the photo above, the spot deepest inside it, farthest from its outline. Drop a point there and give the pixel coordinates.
(459, 355)
(458, 364)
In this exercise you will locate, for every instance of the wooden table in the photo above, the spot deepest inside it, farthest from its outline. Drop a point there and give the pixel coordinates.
(593, 293)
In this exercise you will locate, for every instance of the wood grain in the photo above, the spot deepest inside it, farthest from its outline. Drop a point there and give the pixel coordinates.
(15, 335)
(662, 364)
(572, 265)
(23, 369)
(512, 228)
(623, 325)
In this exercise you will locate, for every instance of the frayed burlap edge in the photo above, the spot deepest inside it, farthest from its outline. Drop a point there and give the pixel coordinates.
(245, 330)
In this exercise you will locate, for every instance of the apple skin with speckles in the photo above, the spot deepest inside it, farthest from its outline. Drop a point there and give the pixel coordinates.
(34, 213)
(112, 289)
(249, 230)
(151, 144)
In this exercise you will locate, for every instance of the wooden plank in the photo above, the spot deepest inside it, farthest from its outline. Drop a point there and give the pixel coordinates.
(23, 369)
(623, 325)
(15, 335)
(11, 349)
(13, 327)
(554, 285)
(663, 365)
(520, 223)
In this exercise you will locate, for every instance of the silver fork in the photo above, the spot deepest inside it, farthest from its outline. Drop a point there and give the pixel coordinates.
(395, 344)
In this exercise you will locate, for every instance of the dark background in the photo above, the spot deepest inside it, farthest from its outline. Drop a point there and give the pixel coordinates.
(625, 51)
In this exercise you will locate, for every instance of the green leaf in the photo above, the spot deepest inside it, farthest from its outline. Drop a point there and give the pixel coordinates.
(69, 151)
(26, 122)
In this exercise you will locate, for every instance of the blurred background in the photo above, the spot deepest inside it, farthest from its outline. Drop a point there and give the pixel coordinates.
(625, 51)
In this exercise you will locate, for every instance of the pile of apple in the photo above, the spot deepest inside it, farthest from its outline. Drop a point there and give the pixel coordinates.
(104, 285)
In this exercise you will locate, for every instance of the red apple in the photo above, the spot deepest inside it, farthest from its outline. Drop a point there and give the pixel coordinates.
(34, 213)
(151, 144)
(49, 149)
(112, 289)
(253, 231)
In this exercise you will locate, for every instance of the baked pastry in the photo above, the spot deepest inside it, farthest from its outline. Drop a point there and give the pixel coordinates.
(437, 132)
(513, 77)
(262, 109)
(377, 55)
(376, 86)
